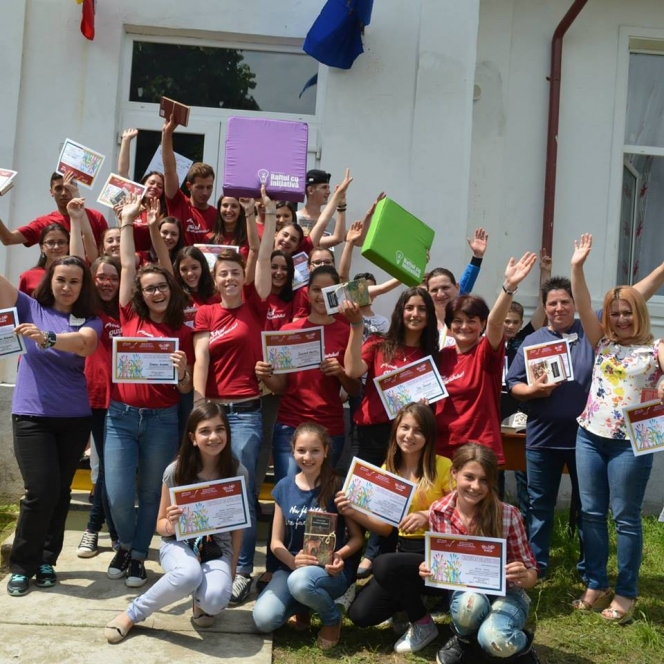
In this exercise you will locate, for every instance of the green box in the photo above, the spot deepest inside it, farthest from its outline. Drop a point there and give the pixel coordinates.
(398, 243)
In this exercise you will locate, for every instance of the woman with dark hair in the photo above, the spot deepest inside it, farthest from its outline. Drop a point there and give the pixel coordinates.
(110, 243)
(60, 328)
(231, 225)
(166, 238)
(193, 274)
(204, 570)
(413, 335)
(472, 369)
(142, 419)
(106, 275)
(53, 244)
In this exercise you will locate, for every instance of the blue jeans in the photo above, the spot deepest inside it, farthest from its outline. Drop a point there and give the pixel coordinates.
(246, 436)
(282, 453)
(613, 476)
(305, 588)
(143, 439)
(544, 470)
(498, 621)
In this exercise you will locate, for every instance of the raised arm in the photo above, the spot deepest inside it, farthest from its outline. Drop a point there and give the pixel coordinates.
(651, 283)
(354, 365)
(478, 246)
(253, 240)
(327, 213)
(128, 248)
(515, 273)
(263, 270)
(128, 135)
(76, 213)
(580, 292)
(8, 237)
(201, 365)
(385, 287)
(160, 248)
(8, 293)
(538, 318)
(346, 260)
(171, 181)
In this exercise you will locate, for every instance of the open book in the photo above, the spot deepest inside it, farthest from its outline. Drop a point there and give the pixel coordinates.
(180, 112)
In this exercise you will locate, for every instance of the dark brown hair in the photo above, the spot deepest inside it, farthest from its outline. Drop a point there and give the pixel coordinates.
(51, 228)
(471, 305)
(205, 284)
(111, 308)
(198, 170)
(176, 305)
(286, 294)
(240, 230)
(230, 256)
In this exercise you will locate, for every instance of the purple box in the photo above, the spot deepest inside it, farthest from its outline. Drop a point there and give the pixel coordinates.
(260, 151)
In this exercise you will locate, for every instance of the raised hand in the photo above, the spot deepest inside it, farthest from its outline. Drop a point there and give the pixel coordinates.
(517, 271)
(129, 134)
(130, 209)
(76, 208)
(249, 206)
(343, 187)
(478, 243)
(269, 205)
(545, 262)
(582, 249)
(170, 125)
(355, 232)
(154, 210)
(70, 184)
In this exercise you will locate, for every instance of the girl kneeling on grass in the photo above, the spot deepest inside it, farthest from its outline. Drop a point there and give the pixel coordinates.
(396, 585)
(475, 509)
(205, 456)
(300, 585)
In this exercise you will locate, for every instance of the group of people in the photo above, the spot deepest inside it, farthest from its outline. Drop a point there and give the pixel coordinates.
(145, 278)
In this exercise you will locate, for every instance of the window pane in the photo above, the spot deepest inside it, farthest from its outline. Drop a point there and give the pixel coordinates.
(626, 227)
(224, 78)
(645, 100)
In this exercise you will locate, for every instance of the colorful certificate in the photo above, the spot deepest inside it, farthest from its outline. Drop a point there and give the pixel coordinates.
(144, 360)
(289, 351)
(116, 188)
(645, 427)
(459, 562)
(10, 343)
(551, 359)
(211, 507)
(6, 180)
(300, 262)
(411, 383)
(211, 251)
(376, 492)
(84, 162)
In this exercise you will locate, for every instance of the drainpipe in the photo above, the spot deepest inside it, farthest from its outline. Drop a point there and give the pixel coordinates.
(554, 118)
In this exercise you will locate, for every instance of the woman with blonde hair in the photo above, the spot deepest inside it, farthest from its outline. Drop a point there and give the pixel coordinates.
(628, 363)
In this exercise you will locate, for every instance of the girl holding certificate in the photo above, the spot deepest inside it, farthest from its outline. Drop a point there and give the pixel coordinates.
(495, 623)
(628, 361)
(301, 584)
(396, 585)
(202, 570)
(142, 418)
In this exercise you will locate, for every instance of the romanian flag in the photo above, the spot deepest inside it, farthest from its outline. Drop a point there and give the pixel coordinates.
(88, 18)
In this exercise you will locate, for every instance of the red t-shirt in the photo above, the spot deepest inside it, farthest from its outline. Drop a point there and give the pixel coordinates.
(310, 395)
(196, 301)
(371, 410)
(278, 313)
(196, 224)
(234, 347)
(305, 245)
(301, 304)
(151, 396)
(98, 365)
(142, 239)
(33, 230)
(29, 280)
(471, 413)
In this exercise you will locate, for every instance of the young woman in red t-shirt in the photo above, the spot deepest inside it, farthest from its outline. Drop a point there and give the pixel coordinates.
(142, 419)
(193, 274)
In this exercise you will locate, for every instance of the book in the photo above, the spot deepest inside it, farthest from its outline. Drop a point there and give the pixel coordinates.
(551, 359)
(168, 107)
(354, 291)
(6, 180)
(320, 538)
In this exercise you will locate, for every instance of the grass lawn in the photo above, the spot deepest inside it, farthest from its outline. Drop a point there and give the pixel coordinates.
(562, 636)
(8, 516)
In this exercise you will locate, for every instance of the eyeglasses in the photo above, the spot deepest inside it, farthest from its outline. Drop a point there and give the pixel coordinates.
(159, 288)
(52, 244)
(107, 280)
(325, 262)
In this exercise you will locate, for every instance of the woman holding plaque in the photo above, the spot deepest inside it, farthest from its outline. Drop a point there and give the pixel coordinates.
(628, 362)
(303, 582)
(142, 418)
(495, 623)
(396, 585)
(51, 416)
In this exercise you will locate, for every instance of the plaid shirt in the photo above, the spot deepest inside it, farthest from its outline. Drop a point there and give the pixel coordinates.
(444, 518)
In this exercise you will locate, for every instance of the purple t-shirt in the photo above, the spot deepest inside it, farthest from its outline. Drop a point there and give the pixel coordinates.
(50, 383)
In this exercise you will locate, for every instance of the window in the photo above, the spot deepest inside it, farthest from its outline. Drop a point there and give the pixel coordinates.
(642, 202)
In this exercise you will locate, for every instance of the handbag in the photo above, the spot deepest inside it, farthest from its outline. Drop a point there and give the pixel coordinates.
(205, 548)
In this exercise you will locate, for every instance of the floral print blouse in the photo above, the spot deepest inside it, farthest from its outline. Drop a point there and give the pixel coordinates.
(620, 374)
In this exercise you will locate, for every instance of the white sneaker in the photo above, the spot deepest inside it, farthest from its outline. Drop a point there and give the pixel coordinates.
(416, 637)
(346, 599)
(87, 547)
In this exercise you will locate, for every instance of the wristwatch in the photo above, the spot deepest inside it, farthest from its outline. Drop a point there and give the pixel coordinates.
(49, 340)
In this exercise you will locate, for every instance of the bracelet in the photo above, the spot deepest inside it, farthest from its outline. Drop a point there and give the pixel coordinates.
(357, 324)
(510, 292)
(341, 208)
(184, 378)
(130, 225)
(270, 212)
(50, 340)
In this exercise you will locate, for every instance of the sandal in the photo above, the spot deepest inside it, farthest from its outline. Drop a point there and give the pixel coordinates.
(618, 616)
(199, 617)
(601, 602)
(116, 630)
(300, 622)
(263, 581)
(334, 631)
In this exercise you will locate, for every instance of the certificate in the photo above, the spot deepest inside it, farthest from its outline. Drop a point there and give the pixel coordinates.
(211, 251)
(211, 507)
(10, 343)
(289, 351)
(411, 383)
(460, 562)
(84, 162)
(116, 188)
(301, 265)
(144, 360)
(645, 427)
(376, 492)
(551, 359)
(182, 165)
(6, 180)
